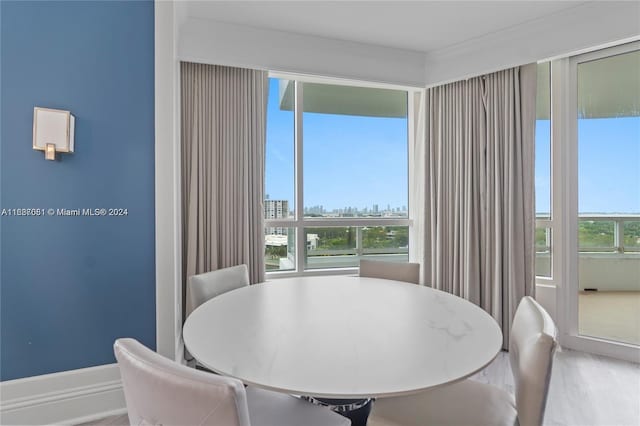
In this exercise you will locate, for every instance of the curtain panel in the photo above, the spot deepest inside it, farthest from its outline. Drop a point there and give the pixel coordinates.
(223, 119)
(479, 192)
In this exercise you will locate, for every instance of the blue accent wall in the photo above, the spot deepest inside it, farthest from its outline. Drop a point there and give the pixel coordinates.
(71, 285)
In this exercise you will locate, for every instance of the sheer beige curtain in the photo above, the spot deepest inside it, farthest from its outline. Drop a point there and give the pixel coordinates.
(479, 192)
(223, 142)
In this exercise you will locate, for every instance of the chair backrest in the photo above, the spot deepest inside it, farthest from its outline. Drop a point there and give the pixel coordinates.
(532, 344)
(408, 272)
(204, 287)
(159, 391)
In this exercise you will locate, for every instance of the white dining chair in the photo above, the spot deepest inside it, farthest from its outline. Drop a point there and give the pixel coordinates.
(204, 287)
(398, 271)
(159, 391)
(531, 350)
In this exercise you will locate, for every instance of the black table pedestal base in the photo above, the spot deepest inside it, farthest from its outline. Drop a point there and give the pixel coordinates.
(356, 410)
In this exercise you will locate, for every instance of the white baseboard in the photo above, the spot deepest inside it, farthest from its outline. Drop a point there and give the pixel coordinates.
(65, 398)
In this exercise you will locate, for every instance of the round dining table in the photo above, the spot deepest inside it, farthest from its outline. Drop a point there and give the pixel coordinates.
(342, 337)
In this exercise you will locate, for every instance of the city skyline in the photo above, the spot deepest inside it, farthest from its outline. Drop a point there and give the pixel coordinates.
(320, 209)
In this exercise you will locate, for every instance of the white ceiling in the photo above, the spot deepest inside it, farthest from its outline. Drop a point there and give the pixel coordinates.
(423, 26)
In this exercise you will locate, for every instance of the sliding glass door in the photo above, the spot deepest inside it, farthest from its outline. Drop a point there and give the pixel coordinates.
(599, 180)
(608, 136)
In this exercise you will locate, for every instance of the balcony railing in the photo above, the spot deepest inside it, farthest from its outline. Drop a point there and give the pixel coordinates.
(609, 252)
(385, 245)
(601, 233)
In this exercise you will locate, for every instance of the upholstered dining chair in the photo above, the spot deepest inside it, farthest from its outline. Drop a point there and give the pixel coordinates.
(206, 286)
(532, 345)
(408, 272)
(203, 287)
(159, 391)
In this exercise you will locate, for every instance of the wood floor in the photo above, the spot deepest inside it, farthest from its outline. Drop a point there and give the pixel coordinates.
(585, 390)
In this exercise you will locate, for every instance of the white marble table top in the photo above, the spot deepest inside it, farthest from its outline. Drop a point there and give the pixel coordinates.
(342, 337)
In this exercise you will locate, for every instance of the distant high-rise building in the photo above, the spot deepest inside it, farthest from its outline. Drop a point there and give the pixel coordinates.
(314, 210)
(276, 209)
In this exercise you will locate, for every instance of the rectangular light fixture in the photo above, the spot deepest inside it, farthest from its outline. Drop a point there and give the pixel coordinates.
(53, 131)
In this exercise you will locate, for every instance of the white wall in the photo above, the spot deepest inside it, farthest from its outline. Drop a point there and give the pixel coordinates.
(609, 273)
(568, 31)
(546, 296)
(207, 41)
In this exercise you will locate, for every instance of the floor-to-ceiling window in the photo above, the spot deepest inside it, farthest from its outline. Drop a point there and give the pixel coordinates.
(336, 176)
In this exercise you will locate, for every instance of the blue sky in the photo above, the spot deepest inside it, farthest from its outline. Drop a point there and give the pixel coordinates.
(608, 165)
(349, 161)
(360, 161)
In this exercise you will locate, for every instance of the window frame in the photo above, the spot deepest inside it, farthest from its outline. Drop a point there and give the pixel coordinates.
(299, 222)
(550, 222)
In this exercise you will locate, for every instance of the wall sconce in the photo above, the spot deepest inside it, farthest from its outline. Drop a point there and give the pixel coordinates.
(53, 131)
